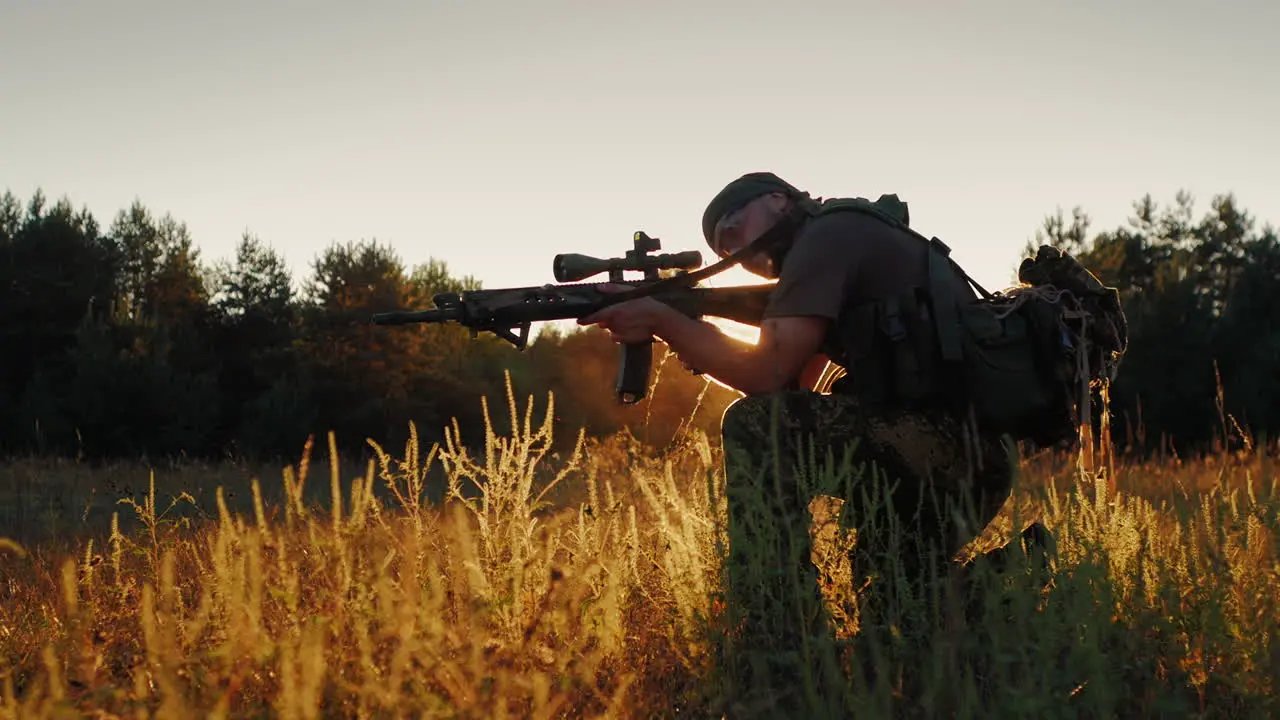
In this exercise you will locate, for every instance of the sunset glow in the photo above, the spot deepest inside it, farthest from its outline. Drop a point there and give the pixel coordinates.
(734, 276)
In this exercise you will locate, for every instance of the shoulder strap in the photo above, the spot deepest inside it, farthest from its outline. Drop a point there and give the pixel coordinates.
(888, 208)
(946, 313)
(893, 211)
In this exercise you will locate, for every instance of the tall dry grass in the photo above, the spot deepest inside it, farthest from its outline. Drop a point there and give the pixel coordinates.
(589, 586)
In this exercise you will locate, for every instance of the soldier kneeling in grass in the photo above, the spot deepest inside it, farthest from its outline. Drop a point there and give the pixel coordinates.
(937, 381)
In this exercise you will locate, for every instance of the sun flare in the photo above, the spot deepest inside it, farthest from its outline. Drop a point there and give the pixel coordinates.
(729, 278)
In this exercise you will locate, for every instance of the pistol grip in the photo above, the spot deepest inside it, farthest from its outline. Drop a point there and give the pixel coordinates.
(633, 372)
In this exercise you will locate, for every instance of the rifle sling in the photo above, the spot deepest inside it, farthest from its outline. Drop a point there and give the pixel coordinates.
(780, 230)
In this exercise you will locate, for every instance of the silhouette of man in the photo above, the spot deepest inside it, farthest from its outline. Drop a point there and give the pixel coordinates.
(913, 465)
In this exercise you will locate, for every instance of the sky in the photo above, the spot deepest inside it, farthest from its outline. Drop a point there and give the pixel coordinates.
(493, 135)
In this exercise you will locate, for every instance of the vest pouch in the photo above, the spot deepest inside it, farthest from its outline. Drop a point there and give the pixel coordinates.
(1010, 382)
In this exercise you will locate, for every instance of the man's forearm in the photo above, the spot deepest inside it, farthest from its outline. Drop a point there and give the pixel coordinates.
(704, 347)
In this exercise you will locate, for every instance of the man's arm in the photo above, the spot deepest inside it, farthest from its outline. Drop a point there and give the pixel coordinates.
(786, 346)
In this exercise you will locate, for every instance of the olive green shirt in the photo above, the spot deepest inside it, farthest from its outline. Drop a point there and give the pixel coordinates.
(848, 258)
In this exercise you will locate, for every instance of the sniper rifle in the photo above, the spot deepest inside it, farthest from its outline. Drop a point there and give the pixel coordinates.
(508, 312)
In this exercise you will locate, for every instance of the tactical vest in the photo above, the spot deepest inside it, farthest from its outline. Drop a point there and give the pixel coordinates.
(1020, 362)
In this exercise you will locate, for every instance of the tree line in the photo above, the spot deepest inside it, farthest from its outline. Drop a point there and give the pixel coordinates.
(1202, 299)
(124, 342)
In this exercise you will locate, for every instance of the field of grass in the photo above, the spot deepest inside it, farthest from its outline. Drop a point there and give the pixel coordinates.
(508, 582)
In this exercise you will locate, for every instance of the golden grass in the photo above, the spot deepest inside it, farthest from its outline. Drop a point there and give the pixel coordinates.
(588, 586)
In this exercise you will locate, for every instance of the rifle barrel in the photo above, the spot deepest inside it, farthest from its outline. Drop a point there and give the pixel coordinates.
(415, 316)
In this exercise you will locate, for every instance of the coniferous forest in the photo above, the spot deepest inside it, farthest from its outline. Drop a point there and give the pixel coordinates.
(124, 340)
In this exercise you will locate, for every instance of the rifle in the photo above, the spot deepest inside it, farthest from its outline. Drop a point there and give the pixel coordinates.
(508, 312)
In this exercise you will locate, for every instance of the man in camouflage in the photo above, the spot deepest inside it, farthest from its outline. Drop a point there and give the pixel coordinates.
(923, 469)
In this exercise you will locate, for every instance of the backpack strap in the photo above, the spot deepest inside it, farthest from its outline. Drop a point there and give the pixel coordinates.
(902, 346)
(888, 208)
(946, 313)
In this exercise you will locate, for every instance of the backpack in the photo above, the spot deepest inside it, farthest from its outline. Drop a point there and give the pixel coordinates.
(1021, 362)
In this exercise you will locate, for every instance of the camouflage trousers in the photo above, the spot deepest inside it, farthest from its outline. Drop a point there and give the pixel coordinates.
(916, 487)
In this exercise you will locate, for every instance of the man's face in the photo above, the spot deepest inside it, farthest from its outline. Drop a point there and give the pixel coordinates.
(737, 229)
